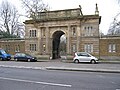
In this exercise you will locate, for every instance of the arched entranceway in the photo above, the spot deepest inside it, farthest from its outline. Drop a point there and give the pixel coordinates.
(56, 44)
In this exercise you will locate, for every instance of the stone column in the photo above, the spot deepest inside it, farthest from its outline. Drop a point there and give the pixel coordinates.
(68, 40)
(47, 40)
(39, 41)
(78, 37)
(38, 36)
(51, 47)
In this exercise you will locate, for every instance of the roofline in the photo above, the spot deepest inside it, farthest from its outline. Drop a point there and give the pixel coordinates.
(64, 18)
(60, 10)
(12, 39)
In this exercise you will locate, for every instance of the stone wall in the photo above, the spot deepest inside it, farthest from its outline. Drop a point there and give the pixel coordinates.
(68, 13)
(13, 46)
(104, 48)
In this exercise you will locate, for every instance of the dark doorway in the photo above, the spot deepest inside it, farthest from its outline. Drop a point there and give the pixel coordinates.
(56, 44)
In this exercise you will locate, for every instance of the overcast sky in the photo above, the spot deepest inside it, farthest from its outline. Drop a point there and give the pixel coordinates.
(108, 9)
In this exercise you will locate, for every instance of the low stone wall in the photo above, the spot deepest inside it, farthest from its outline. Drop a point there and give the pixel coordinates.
(110, 57)
(70, 57)
(43, 57)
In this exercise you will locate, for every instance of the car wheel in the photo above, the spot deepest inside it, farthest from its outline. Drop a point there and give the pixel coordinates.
(93, 61)
(1, 59)
(16, 59)
(76, 61)
(8, 59)
(28, 60)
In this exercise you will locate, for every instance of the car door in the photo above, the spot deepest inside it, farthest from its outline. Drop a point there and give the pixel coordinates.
(85, 57)
(81, 57)
(0, 55)
(19, 57)
(23, 57)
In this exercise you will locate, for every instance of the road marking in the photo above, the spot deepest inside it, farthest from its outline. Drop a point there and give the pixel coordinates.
(9, 66)
(29, 81)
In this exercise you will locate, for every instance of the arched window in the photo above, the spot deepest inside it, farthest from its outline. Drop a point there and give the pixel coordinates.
(73, 30)
(88, 31)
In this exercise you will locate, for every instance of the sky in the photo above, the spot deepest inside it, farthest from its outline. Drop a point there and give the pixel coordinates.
(108, 9)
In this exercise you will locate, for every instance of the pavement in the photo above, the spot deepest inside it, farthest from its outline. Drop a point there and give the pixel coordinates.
(106, 66)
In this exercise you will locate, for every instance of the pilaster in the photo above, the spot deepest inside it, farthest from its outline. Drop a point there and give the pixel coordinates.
(47, 40)
(68, 40)
(78, 37)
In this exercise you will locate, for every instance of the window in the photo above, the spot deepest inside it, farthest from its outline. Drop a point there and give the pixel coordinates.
(7, 47)
(91, 27)
(73, 28)
(43, 30)
(33, 33)
(74, 48)
(88, 31)
(74, 31)
(44, 47)
(84, 55)
(112, 48)
(17, 48)
(88, 47)
(33, 47)
(30, 33)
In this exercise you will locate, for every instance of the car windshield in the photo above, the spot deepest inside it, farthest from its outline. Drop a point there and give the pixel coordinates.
(3, 52)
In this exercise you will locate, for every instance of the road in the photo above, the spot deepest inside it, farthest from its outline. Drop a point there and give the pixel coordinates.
(28, 79)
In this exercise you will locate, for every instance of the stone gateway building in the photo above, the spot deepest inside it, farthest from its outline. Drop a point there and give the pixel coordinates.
(81, 32)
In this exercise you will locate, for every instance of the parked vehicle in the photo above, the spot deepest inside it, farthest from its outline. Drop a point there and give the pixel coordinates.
(84, 57)
(4, 55)
(24, 57)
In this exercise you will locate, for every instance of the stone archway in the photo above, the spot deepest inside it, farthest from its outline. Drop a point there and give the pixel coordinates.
(55, 44)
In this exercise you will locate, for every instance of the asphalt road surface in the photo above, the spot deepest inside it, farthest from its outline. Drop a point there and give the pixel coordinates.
(28, 79)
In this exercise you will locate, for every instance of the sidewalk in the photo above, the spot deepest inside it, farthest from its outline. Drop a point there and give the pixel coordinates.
(58, 65)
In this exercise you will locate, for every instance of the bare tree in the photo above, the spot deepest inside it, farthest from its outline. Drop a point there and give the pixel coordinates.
(32, 7)
(118, 1)
(114, 28)
(9, 19)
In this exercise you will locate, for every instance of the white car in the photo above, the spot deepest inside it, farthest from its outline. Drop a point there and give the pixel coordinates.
(84, 57)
